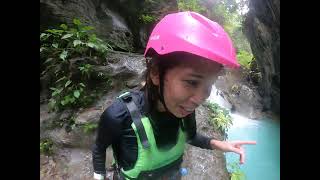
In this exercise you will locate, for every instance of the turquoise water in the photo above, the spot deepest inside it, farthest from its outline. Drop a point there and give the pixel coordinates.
(262, 160)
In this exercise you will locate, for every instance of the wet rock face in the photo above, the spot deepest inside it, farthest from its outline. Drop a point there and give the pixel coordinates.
(109, 25)
(241, 94)
(88, 116)
(67, 163)
(246, 100)
(126, 69)
(202, 163)
(127, 63)
(118, 22)
(68, 128)
(262, 28)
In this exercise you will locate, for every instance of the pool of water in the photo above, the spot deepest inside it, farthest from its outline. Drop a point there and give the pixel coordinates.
(263, 159)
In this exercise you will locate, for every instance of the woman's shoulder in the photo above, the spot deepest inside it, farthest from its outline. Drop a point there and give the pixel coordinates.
(118, 111)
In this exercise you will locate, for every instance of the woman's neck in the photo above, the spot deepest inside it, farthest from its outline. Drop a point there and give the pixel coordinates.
(160, 107)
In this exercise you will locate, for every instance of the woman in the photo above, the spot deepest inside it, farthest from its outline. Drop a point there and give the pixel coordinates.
(148, 129)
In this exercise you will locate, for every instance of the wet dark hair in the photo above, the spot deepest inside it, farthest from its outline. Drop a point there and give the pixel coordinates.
(161, 63)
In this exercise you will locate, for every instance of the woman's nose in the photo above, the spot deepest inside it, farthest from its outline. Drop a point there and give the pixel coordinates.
(200, 96)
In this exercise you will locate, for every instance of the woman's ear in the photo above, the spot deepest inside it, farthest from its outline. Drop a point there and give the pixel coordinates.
(154, 75)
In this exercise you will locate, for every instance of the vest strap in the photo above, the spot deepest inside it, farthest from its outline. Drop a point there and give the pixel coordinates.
(136, 118)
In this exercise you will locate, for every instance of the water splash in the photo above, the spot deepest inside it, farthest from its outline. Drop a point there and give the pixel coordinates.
(116, 19)
(216, 97)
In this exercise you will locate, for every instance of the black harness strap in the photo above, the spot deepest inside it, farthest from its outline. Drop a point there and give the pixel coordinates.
(136, 118)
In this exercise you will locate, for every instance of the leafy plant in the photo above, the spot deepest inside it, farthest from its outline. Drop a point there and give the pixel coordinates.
(86, 70)
(236, 172)
(69, 54)
(235, 89)
(147, 19)
(255, 74)
(219, 117)
(244, 59)
(46, 146)
(89, 127)
(190, 5)
(67, 95)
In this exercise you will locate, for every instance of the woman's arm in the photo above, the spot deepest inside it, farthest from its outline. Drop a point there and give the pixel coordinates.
(108, 132)
(204, 142)
(194, 138)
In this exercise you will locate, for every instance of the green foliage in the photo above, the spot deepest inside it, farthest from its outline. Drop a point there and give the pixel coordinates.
(190, 5)
(235, 89)
(69, 54)
(232, 23)
(69, 124)
(239, 40)
(255, 74)
(46, 146)
(244, 58)
(146, 15)
(219, 117)
(147, 19)
(222, 16)
(67, 95)
(236, 172)
(227, 14)
(89, 127)
(86, 70)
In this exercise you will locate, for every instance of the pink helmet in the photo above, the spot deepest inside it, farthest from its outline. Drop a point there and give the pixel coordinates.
(193, 33)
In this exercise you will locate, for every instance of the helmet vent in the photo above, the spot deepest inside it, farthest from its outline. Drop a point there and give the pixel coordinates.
(203, 21)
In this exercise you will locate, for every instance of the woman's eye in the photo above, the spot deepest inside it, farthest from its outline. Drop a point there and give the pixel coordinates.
(192, 83)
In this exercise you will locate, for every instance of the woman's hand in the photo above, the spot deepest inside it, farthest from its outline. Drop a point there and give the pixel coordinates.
(231, 146)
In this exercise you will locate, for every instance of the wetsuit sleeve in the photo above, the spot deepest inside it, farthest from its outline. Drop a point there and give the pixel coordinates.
(108, 132)
(195, 138)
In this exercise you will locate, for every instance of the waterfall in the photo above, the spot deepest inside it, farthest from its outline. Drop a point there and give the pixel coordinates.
(216, 97)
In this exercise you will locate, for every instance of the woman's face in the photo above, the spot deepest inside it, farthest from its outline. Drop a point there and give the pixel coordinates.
(187, 86)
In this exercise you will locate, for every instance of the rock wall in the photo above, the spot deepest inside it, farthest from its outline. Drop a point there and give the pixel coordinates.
(262, 28)
(116, 21)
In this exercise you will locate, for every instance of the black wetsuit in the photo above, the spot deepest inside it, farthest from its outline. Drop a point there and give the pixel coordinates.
(115, 129)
